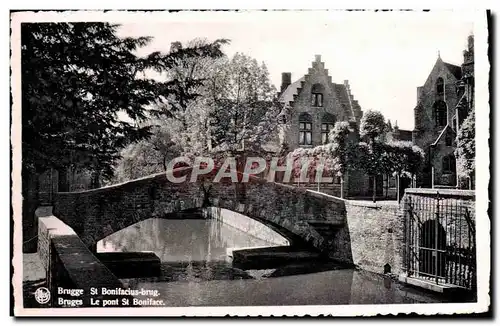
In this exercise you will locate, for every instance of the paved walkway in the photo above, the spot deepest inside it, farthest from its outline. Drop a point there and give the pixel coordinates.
(32, 267)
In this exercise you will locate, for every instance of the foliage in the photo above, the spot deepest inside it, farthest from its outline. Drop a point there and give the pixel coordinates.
(234, 109)
(147, 156)
(83, 94)
(403, 158)
(341, 146)
(466, 146)
(372, 125)
(243, 108)
(320, 155)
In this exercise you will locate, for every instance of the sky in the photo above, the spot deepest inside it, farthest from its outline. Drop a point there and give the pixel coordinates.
(385, 56)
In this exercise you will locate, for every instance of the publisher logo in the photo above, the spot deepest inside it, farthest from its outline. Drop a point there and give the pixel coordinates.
(42, 295)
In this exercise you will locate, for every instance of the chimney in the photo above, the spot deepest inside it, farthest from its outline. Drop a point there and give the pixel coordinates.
(470, 42)
(347, 86)
(286, 80)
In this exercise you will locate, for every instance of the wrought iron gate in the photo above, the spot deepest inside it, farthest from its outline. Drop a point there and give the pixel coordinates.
(440, 239)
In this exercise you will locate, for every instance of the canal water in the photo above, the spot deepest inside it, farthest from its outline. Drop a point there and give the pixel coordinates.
(196, 269)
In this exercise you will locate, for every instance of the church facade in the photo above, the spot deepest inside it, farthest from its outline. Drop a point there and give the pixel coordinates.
(443, 103)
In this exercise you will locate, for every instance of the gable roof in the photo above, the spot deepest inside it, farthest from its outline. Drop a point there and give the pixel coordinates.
(405, 135)
(340, 92)
(442, 134)
(344, 99)
(290, 91)
(455, 70)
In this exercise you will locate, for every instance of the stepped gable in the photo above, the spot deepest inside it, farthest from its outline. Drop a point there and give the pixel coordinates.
(343, 97)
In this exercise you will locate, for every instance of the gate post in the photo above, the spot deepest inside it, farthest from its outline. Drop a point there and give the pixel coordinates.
(436, 239)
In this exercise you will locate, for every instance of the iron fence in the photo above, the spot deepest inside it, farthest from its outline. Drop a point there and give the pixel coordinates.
(440, 239)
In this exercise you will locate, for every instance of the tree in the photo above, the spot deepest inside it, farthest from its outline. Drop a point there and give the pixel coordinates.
(372, 125)
(372, 128)
(404, 158)
(187, 115)
(243, 108)
(147, 156)
(368, 159)
(341, 148)
(466, 147)
(76, 79)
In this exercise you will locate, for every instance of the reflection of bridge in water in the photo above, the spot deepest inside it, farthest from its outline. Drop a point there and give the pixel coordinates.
(306, 218)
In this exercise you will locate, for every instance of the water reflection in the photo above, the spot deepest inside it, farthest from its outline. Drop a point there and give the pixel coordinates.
(195, 270)
(185, 240)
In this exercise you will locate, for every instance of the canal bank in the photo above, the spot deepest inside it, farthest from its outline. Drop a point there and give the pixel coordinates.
(195, 251)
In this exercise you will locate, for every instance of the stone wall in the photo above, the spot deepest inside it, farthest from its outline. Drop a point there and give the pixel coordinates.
(68, 262)
(426, 131)
(247, 225)
(286, 209)
(374, 235)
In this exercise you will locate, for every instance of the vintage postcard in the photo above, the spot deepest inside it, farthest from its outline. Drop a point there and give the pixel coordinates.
(246, 163)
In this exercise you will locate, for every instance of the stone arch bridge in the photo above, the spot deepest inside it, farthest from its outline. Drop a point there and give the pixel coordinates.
(306, 218)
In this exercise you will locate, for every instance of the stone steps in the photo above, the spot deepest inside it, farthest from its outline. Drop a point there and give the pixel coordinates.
(131, 264)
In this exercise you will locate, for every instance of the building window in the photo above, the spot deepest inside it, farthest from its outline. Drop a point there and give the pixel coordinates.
(305, 129)
(327, 123)
(448, 140)
(440, 86)
(317, 95)
(440, 113)
(392, 182)
(317, 99)
(449, 165)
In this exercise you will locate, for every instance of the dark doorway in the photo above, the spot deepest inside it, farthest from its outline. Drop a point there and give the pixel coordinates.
(432, 249)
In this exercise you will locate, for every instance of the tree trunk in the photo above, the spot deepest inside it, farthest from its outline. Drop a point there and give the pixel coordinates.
(165, 163)
(374, 188)
(387, 187)
(62, 185)
(94, 181)
(30, 189)
(398, 188)
(342, 186)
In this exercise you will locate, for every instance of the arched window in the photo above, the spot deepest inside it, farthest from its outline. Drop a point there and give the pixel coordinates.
(448, 140)
(317, 95)
(440, 86)
(440, 113)
(449, 164)
(327, 123)
(305, 129)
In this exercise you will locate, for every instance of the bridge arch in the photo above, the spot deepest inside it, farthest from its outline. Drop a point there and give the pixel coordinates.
(98, 213)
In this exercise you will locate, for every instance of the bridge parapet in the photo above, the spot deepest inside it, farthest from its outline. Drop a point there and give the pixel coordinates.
(289, 210)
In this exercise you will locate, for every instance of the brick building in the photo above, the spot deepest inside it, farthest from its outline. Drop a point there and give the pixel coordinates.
(446, 94)
(313, 104)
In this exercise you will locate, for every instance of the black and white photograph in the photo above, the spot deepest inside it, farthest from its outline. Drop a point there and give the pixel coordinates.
(250, 162)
